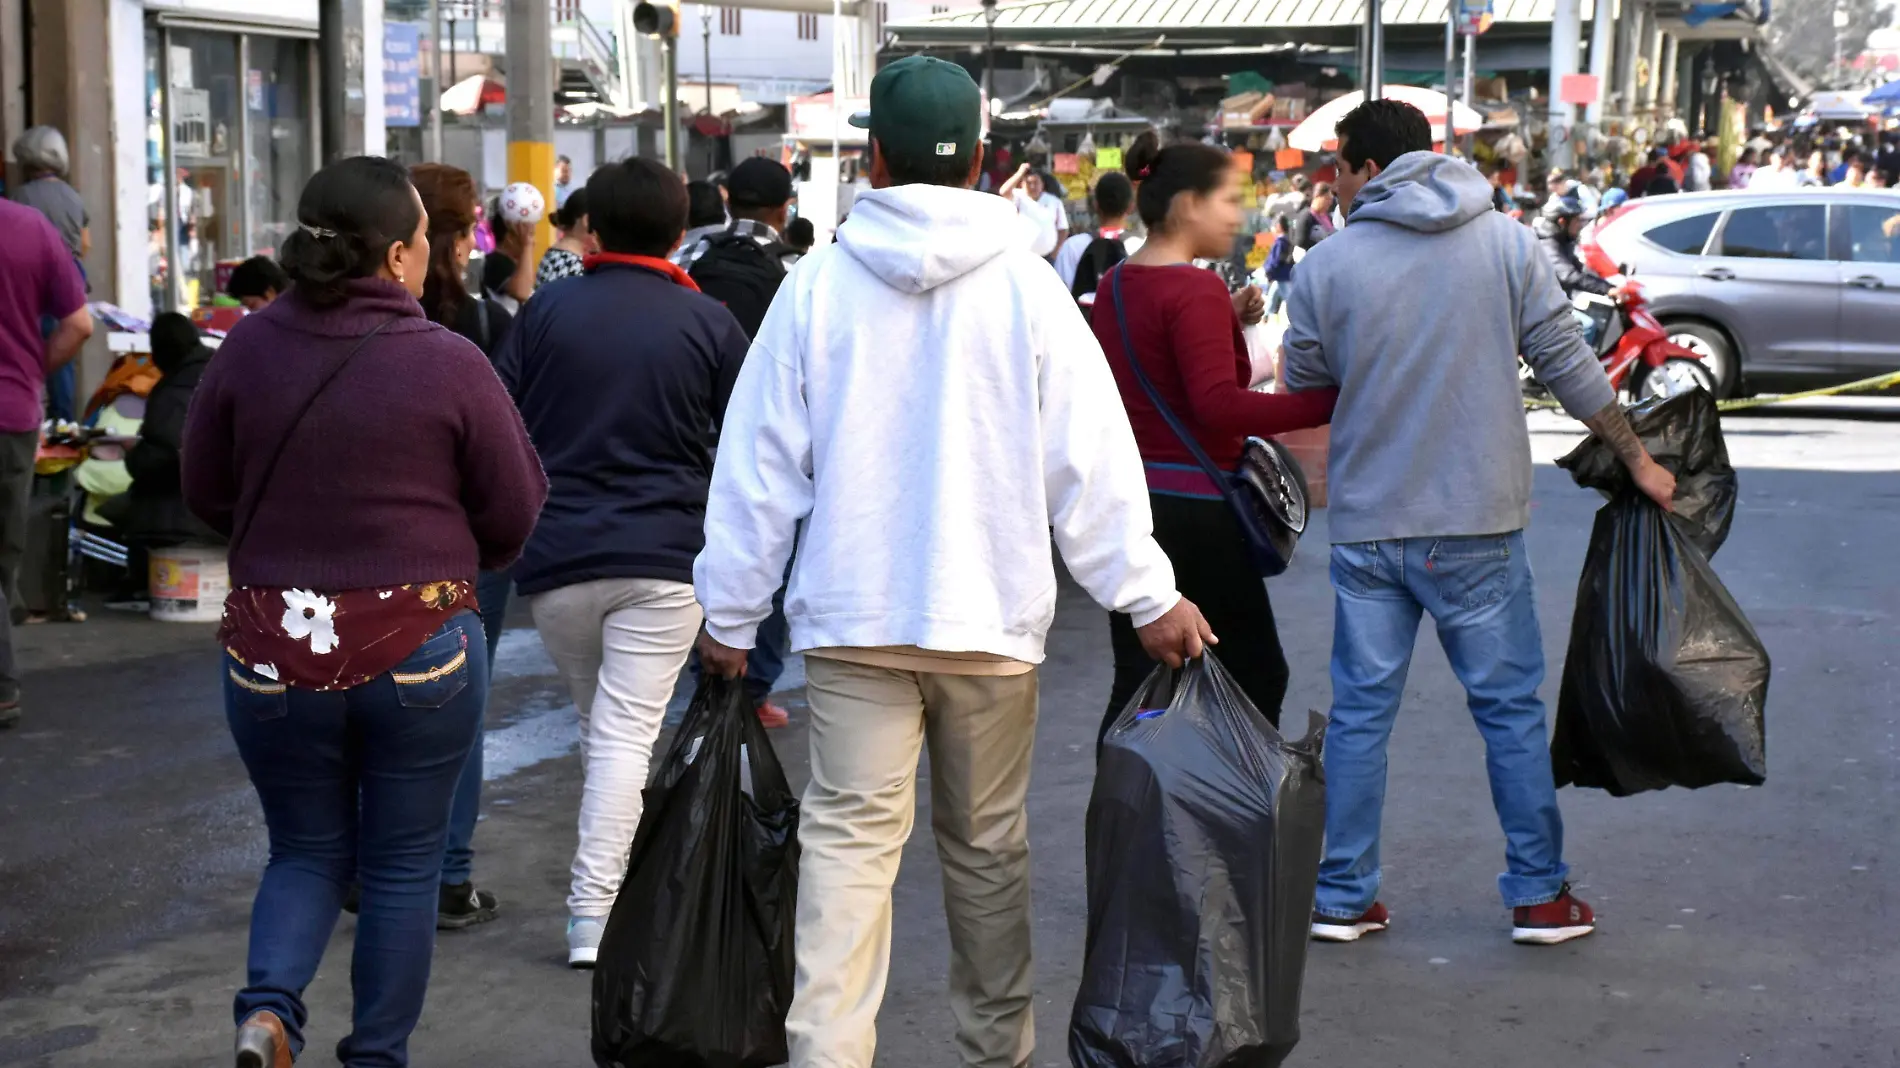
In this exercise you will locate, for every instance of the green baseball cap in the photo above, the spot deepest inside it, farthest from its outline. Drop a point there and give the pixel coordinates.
(922, 106)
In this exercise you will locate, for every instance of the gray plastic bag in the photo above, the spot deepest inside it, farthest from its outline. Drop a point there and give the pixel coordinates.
(1204, 834)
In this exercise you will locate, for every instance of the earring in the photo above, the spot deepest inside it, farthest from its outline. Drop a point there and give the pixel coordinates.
(399, 276)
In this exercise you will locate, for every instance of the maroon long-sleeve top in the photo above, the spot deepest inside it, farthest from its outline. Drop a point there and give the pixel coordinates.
(412, 466)
(1190, 344)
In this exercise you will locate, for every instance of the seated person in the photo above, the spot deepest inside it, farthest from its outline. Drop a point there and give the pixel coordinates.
(154, 514)
(256, 282)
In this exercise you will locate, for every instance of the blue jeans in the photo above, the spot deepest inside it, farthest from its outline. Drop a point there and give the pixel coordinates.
(1589, 324)
(1479, 593)
(355, 783)
(492, 589)
(1276, 296)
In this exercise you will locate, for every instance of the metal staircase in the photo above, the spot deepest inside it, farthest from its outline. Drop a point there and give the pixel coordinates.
(588, 58)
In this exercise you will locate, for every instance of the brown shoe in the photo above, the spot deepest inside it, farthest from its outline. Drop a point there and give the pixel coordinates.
(261, 1042)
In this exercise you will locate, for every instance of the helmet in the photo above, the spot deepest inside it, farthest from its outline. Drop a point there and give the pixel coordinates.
(1615, 198)
(1567, 206)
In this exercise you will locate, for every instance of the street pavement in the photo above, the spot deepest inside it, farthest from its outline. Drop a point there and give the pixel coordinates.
(1740, 927)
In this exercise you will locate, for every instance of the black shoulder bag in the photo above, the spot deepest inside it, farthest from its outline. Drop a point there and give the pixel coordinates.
(238, 530)
(1267, 493)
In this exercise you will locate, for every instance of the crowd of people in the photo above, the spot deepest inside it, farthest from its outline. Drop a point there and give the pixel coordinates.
(693, 442)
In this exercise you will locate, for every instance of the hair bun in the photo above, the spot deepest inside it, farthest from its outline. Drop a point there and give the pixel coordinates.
(1141, 156)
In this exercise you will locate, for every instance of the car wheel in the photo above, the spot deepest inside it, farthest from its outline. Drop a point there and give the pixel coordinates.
(1712, 347)
(1674, 376)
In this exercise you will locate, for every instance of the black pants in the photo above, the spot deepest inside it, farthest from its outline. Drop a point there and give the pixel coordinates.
(1211, 568)
(16, 490)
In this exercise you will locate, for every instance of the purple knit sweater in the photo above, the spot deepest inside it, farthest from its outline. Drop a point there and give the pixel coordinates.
(412, 466)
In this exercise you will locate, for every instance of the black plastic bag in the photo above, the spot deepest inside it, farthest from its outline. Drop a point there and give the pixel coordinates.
(695, 967)
(1684, 434)
(1666, 681)
(1204, 833)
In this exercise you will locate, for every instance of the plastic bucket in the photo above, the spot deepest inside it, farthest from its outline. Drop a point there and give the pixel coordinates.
(188, 584)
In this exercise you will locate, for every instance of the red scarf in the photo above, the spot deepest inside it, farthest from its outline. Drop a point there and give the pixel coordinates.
(666, 267)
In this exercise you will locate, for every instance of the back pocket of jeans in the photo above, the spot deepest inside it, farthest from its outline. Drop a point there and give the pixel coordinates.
(1472, 572)
(1357, 567)
(258, 696)
(432, 675)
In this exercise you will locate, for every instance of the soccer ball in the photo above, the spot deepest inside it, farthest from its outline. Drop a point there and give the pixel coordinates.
(522, 203)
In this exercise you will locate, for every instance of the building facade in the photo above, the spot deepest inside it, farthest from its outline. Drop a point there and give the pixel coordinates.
(193, 126)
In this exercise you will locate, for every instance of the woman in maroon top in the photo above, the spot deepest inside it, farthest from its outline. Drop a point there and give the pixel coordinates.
(1186, 331)
(365, 464)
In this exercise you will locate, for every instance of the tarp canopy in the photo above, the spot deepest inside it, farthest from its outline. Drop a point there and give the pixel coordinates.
(1222, 25)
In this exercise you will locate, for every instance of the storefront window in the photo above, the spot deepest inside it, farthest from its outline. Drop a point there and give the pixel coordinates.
(157, 258)
(277, 92)
(204, 128)
(225, 171)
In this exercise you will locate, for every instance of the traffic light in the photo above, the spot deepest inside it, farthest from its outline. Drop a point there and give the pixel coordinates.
(657, 20)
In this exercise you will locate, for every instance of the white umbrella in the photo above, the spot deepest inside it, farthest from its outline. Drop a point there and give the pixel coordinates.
(1316, 133)
(1841, 106)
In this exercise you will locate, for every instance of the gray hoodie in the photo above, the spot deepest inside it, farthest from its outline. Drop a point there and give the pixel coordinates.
(1417, 311)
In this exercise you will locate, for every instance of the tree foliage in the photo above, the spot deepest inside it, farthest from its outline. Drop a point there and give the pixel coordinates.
(1801, 34)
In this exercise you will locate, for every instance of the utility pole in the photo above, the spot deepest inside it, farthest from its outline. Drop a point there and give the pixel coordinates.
(1451, 75)
(433, 98)
(1469, 89)
(1602, 47)
(989, 54)
(1566, 36)
(705, 25)
(332, 77)
(1375, 50)
(1840, 23)
(670, 65)
(662, 20)
(531, 102)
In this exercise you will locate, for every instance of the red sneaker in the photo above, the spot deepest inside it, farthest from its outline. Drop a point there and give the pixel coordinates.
(1332, 929)
(1553, 922)
(772, 716)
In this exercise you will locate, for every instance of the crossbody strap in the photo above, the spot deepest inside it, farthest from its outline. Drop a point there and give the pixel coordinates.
(1222, 480)
(239, 530)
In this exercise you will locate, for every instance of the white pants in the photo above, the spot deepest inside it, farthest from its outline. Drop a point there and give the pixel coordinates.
(868, 727)
(620, 644)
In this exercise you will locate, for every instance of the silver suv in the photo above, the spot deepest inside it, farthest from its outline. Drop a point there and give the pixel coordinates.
(1774, 290)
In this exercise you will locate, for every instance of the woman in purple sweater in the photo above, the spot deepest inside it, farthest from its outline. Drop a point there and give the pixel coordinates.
(366, 465)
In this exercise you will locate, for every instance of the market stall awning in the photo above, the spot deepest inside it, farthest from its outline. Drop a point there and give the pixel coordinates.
(1202, 24)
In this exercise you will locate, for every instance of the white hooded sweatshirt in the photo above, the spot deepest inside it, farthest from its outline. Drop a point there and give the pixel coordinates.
(926, 398)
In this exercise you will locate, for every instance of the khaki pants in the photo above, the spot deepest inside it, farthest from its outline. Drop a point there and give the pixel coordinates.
(868, 726)
(619, 644)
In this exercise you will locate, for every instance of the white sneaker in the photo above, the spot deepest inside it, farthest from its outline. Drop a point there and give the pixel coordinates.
(583, 940)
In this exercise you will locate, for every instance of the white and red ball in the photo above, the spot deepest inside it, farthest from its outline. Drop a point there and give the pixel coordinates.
(521, 202)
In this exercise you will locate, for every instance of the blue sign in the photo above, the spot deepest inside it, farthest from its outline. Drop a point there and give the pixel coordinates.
(402, 74)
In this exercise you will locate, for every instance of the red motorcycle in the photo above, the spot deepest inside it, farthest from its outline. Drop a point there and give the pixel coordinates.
(1635, 349)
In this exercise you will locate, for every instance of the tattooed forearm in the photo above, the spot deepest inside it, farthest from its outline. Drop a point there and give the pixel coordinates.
(1613, 428)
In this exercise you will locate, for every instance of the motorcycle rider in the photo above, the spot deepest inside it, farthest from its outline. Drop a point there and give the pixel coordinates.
(1557, 227)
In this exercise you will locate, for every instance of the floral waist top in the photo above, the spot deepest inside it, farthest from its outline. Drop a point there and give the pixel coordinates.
(334, 641)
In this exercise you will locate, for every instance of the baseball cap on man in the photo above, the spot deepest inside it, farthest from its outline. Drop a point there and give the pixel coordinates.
(758, 182)
(924, 107)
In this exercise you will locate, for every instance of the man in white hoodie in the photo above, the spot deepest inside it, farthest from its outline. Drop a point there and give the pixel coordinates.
(927, 400)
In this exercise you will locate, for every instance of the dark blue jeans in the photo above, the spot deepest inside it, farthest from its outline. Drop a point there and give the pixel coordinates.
(492, 590)
(356, 783)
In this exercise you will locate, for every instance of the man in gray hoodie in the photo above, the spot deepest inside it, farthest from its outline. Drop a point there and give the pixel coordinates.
(1417, 311)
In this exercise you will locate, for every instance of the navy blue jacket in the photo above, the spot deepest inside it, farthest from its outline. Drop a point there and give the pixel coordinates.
(622, 378)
